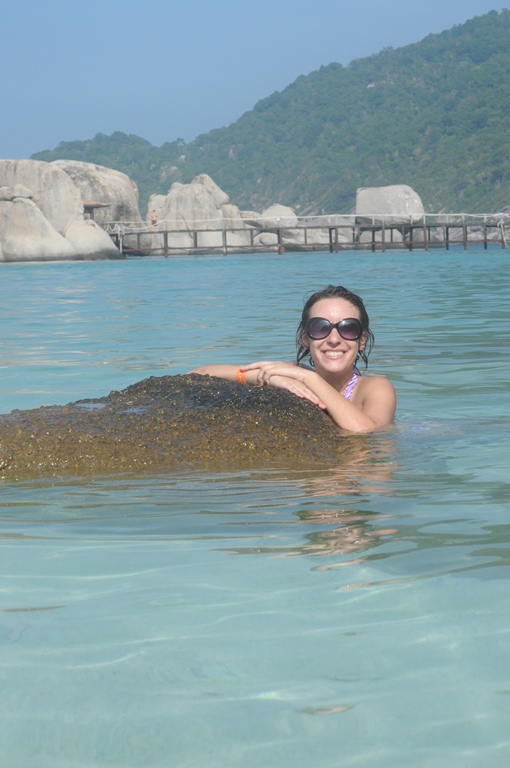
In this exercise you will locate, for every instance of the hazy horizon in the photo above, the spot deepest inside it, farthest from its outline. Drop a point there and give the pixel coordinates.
(162, 72)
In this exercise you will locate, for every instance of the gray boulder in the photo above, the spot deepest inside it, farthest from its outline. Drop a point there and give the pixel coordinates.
(200, 205)
(90, 241)
(54, 193)
(42, 216)
(98, 184)
(238, 232)
(27, 235)
(399, 204)
(266, 239)
(187, 205)
(278, 216)
(218, 196)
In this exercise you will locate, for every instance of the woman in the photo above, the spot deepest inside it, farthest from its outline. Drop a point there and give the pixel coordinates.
(334, 332)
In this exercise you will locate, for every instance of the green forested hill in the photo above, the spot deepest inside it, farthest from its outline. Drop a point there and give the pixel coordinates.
(434, 115)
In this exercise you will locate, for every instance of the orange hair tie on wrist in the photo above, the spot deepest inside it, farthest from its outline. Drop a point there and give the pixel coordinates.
(241, 376)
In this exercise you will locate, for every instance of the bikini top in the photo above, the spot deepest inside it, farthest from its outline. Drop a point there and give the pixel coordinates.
(351, 384)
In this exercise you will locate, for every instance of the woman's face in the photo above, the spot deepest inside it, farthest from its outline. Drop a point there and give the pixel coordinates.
(333, 355)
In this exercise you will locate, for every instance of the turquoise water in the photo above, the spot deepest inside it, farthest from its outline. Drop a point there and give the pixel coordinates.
(348, 616)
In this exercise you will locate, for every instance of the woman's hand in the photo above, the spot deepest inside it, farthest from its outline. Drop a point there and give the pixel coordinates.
(287, 376)
(297, 388)
(269, 368)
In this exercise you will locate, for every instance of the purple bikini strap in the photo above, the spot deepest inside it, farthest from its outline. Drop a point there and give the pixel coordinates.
(352, 383)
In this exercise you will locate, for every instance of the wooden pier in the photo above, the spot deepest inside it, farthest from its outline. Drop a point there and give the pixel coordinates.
(377, 232)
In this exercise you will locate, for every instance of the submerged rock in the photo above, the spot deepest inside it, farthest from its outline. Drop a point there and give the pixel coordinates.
(170, 422)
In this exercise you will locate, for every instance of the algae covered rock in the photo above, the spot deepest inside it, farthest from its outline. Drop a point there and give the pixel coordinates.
(167, 423)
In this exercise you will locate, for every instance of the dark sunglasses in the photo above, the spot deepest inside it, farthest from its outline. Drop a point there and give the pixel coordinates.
(318, 328)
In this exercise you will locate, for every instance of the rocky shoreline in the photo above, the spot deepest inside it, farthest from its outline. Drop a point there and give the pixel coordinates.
(72, 210)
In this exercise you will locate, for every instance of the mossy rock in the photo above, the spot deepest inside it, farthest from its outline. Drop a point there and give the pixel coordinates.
(169, 423)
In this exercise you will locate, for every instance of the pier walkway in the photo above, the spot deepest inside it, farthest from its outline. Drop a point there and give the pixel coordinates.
(334, 233)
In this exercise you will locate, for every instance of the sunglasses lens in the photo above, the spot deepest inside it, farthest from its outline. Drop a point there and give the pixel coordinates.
(350, 329)
(318, 328)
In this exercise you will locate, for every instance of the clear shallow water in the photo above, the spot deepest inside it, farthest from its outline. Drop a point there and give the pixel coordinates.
(353, 616)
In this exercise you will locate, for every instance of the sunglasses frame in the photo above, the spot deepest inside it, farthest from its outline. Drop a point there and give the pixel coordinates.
(334, 325)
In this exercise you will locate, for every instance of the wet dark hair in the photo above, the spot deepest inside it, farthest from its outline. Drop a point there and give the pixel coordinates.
(335, 292)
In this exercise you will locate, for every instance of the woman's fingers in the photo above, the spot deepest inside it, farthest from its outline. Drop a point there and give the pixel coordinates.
(297, 388)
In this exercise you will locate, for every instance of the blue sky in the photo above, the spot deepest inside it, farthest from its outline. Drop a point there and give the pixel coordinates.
(171, 69)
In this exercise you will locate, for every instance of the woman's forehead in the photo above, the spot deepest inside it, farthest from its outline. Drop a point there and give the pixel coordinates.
(334, 309)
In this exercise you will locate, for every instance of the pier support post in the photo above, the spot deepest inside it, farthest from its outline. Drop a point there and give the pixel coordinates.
(333, 239)
(280, 241)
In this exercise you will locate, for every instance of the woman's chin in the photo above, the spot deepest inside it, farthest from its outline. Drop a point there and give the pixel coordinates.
(337, 367)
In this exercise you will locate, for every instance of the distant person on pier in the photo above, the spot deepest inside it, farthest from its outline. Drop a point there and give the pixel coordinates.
(154, 219)
(334, 333)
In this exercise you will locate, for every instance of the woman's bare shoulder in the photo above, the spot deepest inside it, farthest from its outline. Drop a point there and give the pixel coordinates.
(376, 381)
(375, 388)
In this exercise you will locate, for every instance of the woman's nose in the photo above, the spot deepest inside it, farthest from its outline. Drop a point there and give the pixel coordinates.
(334, 336)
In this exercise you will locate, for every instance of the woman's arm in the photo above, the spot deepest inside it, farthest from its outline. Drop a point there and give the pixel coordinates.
(227, 372)
(250, 375)
(373, 401)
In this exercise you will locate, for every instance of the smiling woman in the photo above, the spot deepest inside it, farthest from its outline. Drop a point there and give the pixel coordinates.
(334, 333)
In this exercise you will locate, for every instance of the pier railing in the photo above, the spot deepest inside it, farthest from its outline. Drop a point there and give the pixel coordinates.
(336, 232)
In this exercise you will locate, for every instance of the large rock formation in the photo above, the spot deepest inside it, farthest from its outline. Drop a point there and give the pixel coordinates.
(276, 217)
(104, 185)
(200, 205)
(392, 207)
(399, 203)
(54, 193)
(90, 241)
(42, 216)
(25, 233)
(171, 422)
